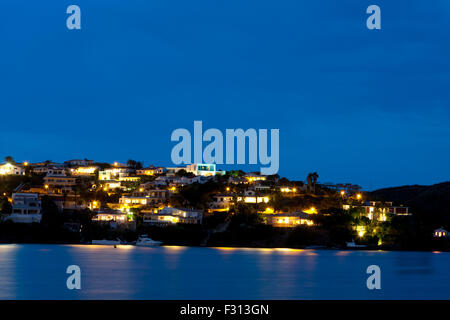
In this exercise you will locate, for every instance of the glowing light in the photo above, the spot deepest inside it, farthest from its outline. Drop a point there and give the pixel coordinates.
(46, 186)
(269, 210)
(175, 248)
(361, 231)
(226, 248)
(228, 188)
(311, 210)
(342, 193)
(359, 196)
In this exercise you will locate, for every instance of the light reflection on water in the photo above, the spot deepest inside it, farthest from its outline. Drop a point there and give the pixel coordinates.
(173, 272)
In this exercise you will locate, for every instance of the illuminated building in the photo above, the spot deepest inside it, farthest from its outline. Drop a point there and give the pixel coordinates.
(150, 171)
(127, 178)
(440, 233)
(221, 201)
(83, 171)
(13, 169)
(112, 173)
(251, 177)
(289, 219)
(201, 169)
(254, 199)
(167, 216)
(110, 216)
(380, 210)
(288, 189)
(57, 182)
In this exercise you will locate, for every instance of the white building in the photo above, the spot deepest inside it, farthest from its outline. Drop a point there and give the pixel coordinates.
(202, 169)
(221, 201)
(9, 168)
(56, 181)
(83, 170)
(110, 215)
(168, 215)
(145, 197)
(112, 173)
(26, 208)
(41, 168)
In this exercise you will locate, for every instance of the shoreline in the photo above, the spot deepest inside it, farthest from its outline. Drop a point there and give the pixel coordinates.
(234, 247)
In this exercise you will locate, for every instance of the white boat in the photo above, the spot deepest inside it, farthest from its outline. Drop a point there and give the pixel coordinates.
(107, 242)
(144, 241)
(354, 245)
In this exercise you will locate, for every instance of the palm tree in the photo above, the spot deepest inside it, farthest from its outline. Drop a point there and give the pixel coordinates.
(9, 159)
(309, 180)
(315, 176)
(312, 180)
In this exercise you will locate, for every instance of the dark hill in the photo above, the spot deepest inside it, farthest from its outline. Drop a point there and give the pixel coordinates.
(431, 204)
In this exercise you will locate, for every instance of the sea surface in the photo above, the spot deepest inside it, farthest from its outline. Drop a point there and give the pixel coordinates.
(128, 272)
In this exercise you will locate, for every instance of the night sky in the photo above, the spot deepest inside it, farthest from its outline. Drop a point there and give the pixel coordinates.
(371, 107)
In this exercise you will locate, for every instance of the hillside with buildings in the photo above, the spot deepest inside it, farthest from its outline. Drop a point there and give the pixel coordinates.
(79, 201)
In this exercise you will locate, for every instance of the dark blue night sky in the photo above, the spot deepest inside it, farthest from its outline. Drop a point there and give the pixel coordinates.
(371, 107)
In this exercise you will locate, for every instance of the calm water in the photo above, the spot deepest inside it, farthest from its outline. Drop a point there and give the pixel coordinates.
(39, 272)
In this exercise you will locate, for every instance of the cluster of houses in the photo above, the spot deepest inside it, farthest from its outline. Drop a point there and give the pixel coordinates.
(60, 181)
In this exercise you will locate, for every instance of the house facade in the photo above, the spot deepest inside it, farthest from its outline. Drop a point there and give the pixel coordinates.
(168, 215)
(26, 208)
(11, 169)
(289, 219)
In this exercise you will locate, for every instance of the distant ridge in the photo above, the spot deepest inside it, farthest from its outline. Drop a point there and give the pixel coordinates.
(432, 202)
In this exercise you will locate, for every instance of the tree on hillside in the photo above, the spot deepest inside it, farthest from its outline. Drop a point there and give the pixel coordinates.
(312, 180)
(134, 164)
(184, 173)
(50, 212)
(5, 206)
(9, 159)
